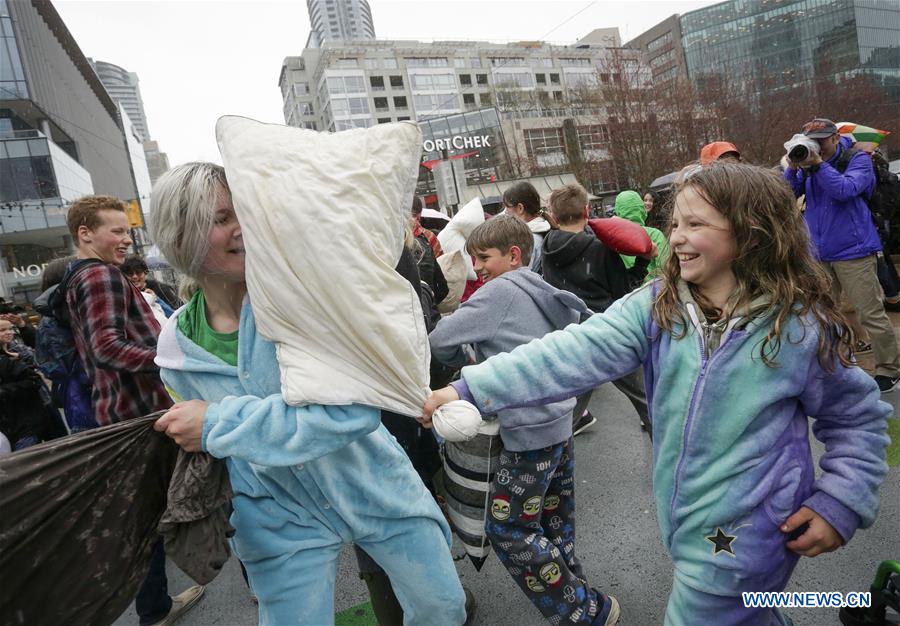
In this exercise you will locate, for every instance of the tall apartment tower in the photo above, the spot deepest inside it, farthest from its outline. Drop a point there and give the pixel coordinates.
(339, 20)
(123, 86)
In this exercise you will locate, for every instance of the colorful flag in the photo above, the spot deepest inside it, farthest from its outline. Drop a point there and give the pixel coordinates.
(866, 137)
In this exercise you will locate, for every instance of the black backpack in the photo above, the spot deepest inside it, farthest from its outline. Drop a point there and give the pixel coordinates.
(884, 201)
(55, 353)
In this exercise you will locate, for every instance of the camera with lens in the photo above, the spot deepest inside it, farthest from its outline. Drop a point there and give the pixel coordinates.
(799, 147)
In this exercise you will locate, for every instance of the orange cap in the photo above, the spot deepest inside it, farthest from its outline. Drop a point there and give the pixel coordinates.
(712, 151)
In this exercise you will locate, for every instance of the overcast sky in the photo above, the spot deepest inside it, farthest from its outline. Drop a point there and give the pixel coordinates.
(197, 60)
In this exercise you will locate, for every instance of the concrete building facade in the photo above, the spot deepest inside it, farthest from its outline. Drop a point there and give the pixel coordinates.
(533, 87)
(157, 161)
(124, 87)
(339, 20)
(663, 51)
(61, 137)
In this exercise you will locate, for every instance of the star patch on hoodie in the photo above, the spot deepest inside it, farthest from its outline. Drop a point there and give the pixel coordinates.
(722, 542)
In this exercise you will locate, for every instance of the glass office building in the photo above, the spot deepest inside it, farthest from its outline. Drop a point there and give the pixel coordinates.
(61, 138)
(787, 42)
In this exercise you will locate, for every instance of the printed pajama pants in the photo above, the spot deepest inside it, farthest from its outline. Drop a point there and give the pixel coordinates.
(531, 526)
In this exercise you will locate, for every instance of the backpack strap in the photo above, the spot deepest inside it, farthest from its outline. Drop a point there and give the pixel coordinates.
(57, 300)
(844, 158)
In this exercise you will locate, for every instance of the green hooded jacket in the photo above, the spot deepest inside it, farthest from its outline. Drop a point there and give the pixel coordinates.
(630, 206)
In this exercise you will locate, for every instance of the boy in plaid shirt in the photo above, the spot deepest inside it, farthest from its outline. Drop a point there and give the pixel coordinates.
(115, 335)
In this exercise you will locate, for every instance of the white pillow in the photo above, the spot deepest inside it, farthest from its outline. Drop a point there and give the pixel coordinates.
(459, 420)
(323, 218)
(457, 231)
(453, 266)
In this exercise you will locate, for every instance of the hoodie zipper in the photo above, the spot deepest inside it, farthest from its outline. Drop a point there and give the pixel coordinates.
(705, 360)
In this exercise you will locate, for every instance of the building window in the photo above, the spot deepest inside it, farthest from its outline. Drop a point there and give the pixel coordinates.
(459, 63)
(468, 98)
(381, 104)
(575, 62)
(390, 64)
(593, 136)
(668, 75)
(541, 79)
(546, 146)
(377, 83)
(663, 59)
(384, 120)
(305, 108)
(301, 89)
(485, 99)
(465, 80)
(427, 62)
(359, 106)
(481, 79)
(349, 106)
(397, 82)
(346, 84)
(400, 102)
(558, 96)
(507, 61)
(371, 64)
(554, 79)
(432, 82)
(575, 80)
(659, 42)
(475, 62)
(542, 61)
(427, 103)
(403, 118)
(346, 63)
(513, 80)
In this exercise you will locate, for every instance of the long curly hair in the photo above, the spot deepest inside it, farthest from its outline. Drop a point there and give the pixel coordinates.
(773, 259)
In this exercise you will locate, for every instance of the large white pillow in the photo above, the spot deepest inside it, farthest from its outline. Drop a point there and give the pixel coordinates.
(454, 235)
(323, 218)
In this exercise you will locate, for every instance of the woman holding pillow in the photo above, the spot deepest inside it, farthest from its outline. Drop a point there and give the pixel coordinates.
(306, 479)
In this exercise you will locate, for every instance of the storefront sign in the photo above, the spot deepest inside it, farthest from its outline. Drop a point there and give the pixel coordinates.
(457, 142)
(28, 271)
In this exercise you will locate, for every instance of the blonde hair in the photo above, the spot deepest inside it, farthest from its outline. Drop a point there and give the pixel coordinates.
(568, 202)
(183, 210)
(773, 260)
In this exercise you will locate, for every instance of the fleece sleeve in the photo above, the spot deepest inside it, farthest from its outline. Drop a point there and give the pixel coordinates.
(795, 178)
(851, 420)
(266, 431)
(476, 320)
(567, 362)
(857, 179)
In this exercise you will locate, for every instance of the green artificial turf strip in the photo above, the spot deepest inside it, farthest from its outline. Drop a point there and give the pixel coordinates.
(359, 615)
(893, 451)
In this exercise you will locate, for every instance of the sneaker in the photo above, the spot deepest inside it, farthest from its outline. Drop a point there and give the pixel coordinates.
(181, 604)
(613, 617)
(862, 347)
(887, 383)
(584, 422)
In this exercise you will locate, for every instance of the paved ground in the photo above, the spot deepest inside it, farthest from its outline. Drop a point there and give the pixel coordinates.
(618, 543)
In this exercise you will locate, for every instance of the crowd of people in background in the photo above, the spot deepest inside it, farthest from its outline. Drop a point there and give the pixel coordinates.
(723, 254)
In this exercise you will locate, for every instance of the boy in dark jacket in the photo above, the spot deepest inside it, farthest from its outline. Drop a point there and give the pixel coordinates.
(575, 260)
(531, 521)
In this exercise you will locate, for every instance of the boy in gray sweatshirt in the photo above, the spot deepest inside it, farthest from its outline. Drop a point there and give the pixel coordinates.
(531, 523)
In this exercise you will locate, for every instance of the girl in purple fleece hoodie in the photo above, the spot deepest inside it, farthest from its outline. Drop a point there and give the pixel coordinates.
(741, 345)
